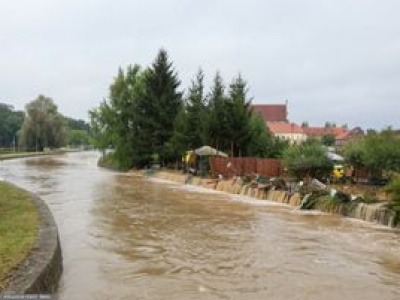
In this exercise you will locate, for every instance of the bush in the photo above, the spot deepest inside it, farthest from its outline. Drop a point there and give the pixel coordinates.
(308, 159)
(394, 204)
(109, 161)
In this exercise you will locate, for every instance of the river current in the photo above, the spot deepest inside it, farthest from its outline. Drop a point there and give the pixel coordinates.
(128, 237)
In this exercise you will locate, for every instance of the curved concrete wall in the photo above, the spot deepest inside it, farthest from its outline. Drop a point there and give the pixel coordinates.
(40, 272)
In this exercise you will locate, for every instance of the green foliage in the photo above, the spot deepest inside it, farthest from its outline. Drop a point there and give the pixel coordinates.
(44, 126)
(157, 107)
(394, 203)
(262, 143)
(328, 140)
(305, 124)
(261, 139)
(10, 123)
(78, 132)
(239, 117)
(354, 153)
(218, 116)
(377, 152)
(73, 124)
(145, 117)
(101, 130)
(110, 161)
(196, 113)
(139, 116)
(308, 159)
(77, 138)
(189, 126)
(180, 140)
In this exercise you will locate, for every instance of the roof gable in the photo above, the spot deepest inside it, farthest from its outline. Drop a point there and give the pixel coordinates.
(321, 131)
(272, 112)
(284, 128)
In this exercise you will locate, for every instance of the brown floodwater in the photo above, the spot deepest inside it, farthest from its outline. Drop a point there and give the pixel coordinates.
(125, 237)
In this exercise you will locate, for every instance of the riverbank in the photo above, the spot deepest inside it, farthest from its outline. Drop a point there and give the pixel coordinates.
(30, 252)
(18, 228)
(29, 154)
(375, 213)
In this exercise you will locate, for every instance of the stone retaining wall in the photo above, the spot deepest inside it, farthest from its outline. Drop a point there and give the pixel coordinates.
(40, 272)
(374, 213)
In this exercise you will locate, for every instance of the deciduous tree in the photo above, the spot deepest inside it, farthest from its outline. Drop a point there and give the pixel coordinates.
(44, 126)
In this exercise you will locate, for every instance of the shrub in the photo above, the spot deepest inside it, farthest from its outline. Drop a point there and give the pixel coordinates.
(308, 159)
(394, 204)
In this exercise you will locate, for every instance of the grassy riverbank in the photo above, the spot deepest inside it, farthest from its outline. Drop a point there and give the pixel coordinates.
(18, 228)
(14, 155)
(108, 161)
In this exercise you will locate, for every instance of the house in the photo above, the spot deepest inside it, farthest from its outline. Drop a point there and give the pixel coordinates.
(290, 132)
(348, 136)
(272, 112)
(276, 120)
(319, 132)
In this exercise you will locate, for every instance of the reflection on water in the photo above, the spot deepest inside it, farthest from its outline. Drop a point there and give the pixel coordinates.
(130, 238)
(45, 162)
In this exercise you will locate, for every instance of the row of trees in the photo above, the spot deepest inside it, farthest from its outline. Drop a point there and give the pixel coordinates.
(10, 122)
(42, 126)
(377, 152)
(147, 117)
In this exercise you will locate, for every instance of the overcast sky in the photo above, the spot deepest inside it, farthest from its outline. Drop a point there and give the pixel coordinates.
(333, 60)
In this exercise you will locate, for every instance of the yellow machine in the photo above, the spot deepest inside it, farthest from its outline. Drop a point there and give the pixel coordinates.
(338, 172)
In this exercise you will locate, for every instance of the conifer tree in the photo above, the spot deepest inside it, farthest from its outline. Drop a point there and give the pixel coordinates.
(196, 113)
(239, 117)
(218, 119)
(158, 106)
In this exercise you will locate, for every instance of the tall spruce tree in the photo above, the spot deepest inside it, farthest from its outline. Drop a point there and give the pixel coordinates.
(218, 116)
(196, 113)
(179, 140)
(158, 107)
(239, 117)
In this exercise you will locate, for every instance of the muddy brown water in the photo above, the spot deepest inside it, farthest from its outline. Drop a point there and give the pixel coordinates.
(133, 238)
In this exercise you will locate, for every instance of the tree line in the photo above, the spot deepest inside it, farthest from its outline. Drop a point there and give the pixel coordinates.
(148, 118)
(376, 152)
(40, 126)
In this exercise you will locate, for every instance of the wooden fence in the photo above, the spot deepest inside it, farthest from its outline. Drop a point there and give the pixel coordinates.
(241, 166)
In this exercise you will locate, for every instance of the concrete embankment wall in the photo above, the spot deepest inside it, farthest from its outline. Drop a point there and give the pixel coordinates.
(40, 272)
(375, 213)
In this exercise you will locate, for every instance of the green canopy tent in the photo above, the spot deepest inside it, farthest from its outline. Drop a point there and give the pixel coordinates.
(204, 152)
(209, 151)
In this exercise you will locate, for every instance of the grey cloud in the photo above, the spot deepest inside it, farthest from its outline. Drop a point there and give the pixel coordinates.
(334, 60)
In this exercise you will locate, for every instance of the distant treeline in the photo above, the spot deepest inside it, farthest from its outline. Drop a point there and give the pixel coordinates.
(40, 126)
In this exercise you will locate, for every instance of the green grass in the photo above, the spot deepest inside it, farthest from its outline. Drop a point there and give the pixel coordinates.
(18, 228)
(109, 161)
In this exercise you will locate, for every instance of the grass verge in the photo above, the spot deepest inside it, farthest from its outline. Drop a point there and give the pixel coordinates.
(109, 161)
(18, 228)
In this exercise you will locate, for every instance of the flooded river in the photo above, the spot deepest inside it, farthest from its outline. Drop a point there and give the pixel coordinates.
(125, 237)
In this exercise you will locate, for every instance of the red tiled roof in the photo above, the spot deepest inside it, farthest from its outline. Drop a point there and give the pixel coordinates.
(272, 112)
(343, 135)
(280, 128)
(321, 131)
